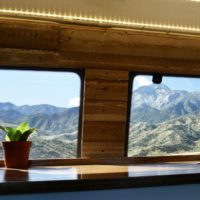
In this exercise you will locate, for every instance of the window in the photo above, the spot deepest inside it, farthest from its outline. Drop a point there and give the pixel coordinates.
(164, 116)
(47, 100)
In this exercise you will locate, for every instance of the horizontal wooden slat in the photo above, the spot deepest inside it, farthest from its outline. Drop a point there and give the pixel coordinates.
(105, 111)
(28, 35)
(107, 75)
(105, 107)
(104, 131)
(127, 42)
(131, 63)
(105, 117)
(103, 149)
(102, 90)
(30, 58)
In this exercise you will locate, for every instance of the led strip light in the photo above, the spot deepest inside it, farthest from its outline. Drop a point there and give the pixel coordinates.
(99, 20)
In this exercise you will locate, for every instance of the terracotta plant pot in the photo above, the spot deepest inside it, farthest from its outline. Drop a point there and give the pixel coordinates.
(16, 154)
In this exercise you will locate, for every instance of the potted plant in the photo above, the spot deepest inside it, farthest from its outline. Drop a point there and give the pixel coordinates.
(16, 147)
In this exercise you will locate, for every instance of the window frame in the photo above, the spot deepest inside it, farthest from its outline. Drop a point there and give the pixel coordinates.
(81, 75)
(153, 159)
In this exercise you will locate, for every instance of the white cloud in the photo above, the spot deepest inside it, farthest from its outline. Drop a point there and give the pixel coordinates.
(74, 102)
(142, 81)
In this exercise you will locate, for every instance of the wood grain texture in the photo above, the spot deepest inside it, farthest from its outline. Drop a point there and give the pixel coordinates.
(28, 58)
(106, 90)
(129, 42)
(102, 47)
(99, 149)
(28, 35)
(142, 64)
(107, 55)
(104, 131)
(107, 75)
(105, 113)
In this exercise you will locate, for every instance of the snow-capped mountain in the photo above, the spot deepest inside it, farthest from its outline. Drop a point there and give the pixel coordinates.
(157, 103)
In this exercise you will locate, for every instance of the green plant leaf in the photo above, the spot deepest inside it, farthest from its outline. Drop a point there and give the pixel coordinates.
(12, 134)
(16, 136)
(23, 127)
(2, 128)
(26, 134)
(7, 138)
(21, 133)
(9, 131)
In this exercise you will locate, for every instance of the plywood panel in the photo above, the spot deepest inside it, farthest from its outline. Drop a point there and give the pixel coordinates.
(104, 131)
(28, 35)
(105, 107)
(103, 149)
(130, 63)
(105, 113)
(107, 75)
(30, 58)
(102, 48)
(106, 90)
(128, 42)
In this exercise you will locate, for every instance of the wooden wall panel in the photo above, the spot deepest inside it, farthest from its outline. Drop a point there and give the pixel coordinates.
(106, 90)
(89, 47)
(105, 113)
(127, 42)
(105, 110)
(30, 58)
(103, 149)
(104, 131)
(107, 75)
(107, 55)
(130, 63)
(43, 36)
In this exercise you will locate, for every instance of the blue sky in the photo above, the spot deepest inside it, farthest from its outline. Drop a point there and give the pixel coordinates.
(63, 88)
(38, 87)
(174, 83)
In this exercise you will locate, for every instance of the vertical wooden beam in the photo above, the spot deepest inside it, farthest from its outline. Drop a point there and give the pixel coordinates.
(105, 113)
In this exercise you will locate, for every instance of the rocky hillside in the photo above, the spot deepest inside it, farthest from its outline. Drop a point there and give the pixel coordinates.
(57, 128)
(176, 136)
(158, 103)
(164, 121)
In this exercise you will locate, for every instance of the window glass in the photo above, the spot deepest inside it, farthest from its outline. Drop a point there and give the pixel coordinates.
(47, 100)
(165, 117)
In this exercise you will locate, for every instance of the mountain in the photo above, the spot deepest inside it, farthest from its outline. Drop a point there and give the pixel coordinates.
(164, 121)
(181, 135)
(44, 117)
(57, 128)
(31, 110)
(66, 121)
(10, 116)
(7, 106)
(158, 103)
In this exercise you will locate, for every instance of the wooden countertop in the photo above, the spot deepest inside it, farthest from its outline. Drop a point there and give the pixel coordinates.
(90, 177)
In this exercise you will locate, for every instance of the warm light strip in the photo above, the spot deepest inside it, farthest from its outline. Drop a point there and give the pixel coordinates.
(100, 20)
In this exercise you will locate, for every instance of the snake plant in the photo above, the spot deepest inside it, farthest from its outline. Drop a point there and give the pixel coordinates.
(20, 133)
